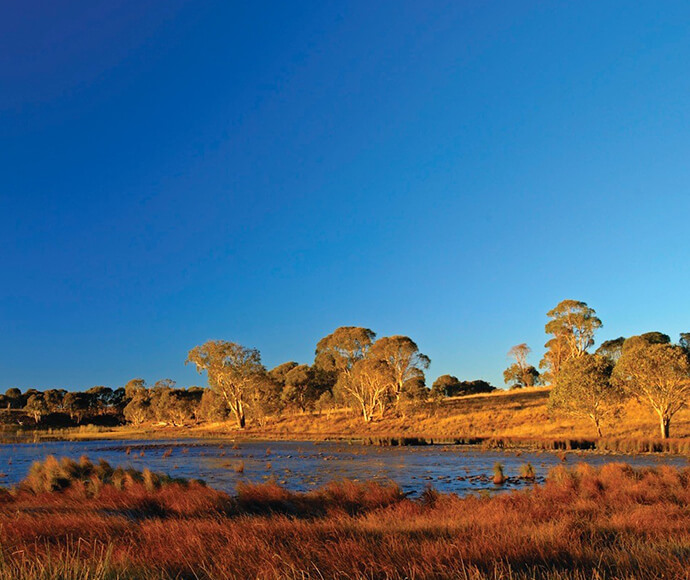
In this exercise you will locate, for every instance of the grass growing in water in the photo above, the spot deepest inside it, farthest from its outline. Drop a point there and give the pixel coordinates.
(527, 471)
(52, 475)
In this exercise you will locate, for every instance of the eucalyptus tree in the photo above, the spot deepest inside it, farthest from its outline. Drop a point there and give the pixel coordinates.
(233, 371)
(557, 352)
(520, 373)
(263, 397)
(36, 407)
(278, 373)
(405, 364)
(368, 386)
(657, 373)
(611, 349)
(301, 389)
(341, 349)
(161, 400)
(211, 407)
(446, 386)
(138, 408)
(76, 404)
(338, 353)
(53, 399)
(573, 325)
(134, 387)
(583, 389)
(101, 399)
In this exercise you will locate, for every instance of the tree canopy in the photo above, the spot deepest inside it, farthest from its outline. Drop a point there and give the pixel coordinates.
(583, 389)
(520, 373)
(573, 325)
(657, 373)
(405, 364)
(232, 370)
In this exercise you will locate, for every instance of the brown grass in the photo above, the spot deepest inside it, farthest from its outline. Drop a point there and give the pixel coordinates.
(615, 522)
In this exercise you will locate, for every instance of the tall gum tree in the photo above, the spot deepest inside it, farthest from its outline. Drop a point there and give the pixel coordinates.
(368, 387)
(573, 325)
(405, 364)
(341, 350)
(583, 389)
(233, 371)
(655, 372)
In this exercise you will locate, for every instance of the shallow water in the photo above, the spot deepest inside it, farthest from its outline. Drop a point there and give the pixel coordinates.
(301, 466)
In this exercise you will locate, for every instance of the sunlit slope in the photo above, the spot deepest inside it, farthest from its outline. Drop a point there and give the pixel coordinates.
(518, 413)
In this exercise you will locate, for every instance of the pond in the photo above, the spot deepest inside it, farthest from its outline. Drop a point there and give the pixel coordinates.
(302, 466)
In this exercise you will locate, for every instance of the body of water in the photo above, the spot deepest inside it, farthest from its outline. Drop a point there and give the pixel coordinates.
(302, 466)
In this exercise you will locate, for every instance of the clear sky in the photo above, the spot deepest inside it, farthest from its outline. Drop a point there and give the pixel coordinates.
(264, 172)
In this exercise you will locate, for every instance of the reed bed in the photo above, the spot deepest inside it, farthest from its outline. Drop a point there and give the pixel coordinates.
(615, 522)
(630, 445)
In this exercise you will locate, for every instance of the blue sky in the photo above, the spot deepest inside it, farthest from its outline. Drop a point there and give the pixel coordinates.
(265, 172)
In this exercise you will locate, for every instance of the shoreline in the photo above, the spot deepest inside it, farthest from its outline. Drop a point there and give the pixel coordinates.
(556, 445)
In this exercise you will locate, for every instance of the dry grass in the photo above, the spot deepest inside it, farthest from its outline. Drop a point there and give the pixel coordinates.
(615, 522)
(503, 415)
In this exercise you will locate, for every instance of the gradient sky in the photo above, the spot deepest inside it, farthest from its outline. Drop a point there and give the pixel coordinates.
(264, 172)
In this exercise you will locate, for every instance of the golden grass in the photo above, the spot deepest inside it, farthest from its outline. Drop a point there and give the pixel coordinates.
(519, 413)
(502, 414)
(614, 522)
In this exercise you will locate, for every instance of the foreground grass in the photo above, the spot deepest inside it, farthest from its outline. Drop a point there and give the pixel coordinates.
(615, 522)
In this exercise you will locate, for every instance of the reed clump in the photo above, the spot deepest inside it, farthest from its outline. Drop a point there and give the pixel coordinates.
(527, 471)
(499, 477)
(53, 475)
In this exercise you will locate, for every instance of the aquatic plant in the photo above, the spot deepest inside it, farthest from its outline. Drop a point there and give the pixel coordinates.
(527, 471)
(499, 477)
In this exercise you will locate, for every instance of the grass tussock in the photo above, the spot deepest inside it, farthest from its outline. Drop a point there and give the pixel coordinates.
(615, 523)
(52, 475)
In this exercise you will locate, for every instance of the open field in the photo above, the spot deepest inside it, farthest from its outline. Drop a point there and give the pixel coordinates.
(519, 415)
(583, 523)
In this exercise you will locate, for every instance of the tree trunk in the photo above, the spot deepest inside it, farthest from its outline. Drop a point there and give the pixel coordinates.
(665, 424)
(381, 407)
(238, 410)
(597, 423)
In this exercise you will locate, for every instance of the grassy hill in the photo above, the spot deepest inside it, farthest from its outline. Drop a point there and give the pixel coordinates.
(502, 414)
(518, 413)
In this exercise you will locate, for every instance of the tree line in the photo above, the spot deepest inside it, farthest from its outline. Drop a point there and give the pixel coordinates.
(351, 368)
(386, 376)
